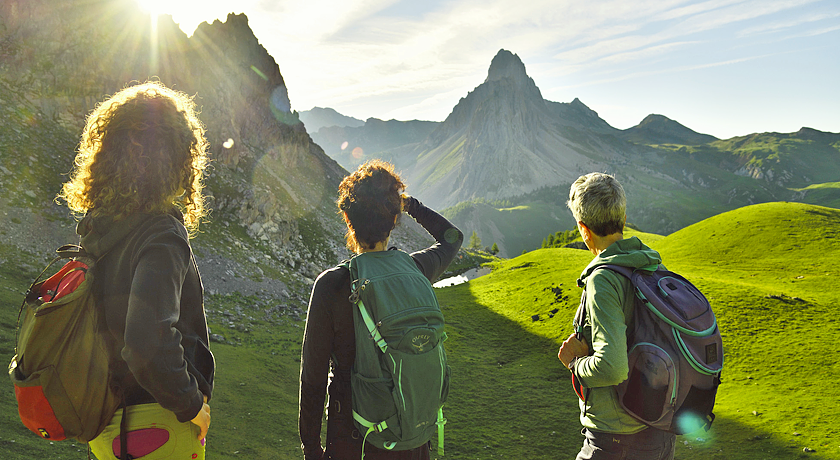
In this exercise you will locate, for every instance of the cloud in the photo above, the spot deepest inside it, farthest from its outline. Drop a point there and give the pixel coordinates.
(788, 23)
(649, 73)
(386, 58)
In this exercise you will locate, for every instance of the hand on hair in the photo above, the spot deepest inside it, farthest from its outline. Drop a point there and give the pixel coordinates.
(404, 202)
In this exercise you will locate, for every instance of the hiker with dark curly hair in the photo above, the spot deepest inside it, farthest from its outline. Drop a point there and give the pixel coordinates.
(371, 203)
(138, 181)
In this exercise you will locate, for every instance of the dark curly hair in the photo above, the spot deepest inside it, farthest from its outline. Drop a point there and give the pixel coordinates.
(142, 150)
(371, 198)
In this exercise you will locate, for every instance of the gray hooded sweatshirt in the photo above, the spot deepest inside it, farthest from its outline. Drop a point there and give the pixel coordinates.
(150, 291)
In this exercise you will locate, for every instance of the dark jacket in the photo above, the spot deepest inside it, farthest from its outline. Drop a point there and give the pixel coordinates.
(149, 289)
(329, 345)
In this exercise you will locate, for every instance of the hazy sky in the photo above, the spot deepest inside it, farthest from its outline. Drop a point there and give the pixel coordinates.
(721, 67)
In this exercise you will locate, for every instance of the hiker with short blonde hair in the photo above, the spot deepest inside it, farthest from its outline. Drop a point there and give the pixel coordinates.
(596, 354)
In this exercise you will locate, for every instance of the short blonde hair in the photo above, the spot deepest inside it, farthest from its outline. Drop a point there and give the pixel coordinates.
(598, 200)
(142, 150)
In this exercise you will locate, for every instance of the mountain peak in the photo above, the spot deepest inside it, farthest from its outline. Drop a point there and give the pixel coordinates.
(659, 129)
(506, 65)
(655, 118)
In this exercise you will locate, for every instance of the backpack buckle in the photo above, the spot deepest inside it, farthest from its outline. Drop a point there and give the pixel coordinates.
(354, 296)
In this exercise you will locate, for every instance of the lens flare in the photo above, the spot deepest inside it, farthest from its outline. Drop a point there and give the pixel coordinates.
(344, 145)
(689, 422)
(228, 143)
(358, 153)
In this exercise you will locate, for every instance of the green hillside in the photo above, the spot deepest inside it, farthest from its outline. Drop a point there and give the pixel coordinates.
(827, 194)
(766, 269)
(795, 159)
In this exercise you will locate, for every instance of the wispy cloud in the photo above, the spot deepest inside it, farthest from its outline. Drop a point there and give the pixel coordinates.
(390, 58)
(650, 73)
(788, 23)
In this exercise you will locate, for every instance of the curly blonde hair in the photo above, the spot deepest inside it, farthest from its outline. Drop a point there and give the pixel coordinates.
(371, 198)
(142, 150)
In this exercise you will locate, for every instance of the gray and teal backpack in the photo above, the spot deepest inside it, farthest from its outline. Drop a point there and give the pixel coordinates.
(675, 353)
(400, 378)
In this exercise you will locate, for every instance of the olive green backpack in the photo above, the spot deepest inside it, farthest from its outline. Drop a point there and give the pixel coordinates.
(60, 370)
(400, 378)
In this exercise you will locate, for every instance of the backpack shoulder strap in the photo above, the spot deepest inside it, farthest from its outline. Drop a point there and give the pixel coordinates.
(626, 272)
(358, 286)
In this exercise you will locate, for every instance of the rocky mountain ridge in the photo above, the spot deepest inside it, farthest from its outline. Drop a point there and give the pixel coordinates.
(504, 143)
(271, 190)
(325, 117)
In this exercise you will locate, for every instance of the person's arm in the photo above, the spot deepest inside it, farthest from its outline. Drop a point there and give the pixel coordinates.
(607, 364)
(153, 348)
(315, 362)
(434, 260)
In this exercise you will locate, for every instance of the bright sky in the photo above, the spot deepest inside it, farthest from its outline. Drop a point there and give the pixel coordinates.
(721, 67)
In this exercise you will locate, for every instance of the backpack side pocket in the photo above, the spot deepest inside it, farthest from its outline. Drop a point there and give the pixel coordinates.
(34, 393)
(650, 391)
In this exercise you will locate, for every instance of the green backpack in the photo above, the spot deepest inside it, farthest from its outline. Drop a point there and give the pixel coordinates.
(60, 370)
(400, 378)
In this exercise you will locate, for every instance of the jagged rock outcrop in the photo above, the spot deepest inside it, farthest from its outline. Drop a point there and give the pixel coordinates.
(503, 139)
(266, 176)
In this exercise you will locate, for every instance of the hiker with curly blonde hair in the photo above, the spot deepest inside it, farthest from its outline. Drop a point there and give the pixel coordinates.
(370, 202)
(138, 182)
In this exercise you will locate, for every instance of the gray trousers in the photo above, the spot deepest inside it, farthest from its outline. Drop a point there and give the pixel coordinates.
(648, 444)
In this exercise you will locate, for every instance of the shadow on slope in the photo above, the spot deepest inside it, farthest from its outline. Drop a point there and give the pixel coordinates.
(507, 382)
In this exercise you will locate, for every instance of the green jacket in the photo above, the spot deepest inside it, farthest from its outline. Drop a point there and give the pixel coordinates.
(609, 309)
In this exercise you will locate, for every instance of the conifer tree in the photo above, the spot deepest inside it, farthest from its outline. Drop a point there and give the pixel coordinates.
(475, 241)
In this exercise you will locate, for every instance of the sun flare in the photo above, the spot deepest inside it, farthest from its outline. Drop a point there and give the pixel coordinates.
(154, 7)
(188, 14)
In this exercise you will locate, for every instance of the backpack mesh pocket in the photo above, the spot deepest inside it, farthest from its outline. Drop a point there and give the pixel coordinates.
(650, 388)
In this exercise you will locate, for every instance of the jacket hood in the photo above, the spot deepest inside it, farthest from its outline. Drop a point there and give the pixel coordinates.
(101, 233)
(630, 252)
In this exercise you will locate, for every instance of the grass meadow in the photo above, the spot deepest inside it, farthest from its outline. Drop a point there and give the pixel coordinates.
(769, 271)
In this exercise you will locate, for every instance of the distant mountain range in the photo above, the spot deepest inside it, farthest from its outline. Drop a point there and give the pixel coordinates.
(502, 160)
(319, 117)
(505, 146)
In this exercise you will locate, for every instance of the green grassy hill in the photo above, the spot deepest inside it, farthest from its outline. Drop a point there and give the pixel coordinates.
(827, 194)
(767, 269)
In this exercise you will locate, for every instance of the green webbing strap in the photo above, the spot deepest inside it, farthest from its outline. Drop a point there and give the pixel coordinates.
(440, 422)
(371, 427)
(371, 326)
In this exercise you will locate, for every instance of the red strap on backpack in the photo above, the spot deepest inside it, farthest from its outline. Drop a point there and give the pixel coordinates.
(580, 318)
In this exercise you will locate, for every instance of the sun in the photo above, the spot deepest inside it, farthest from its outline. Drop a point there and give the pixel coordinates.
(188, 14)
(154, 7)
